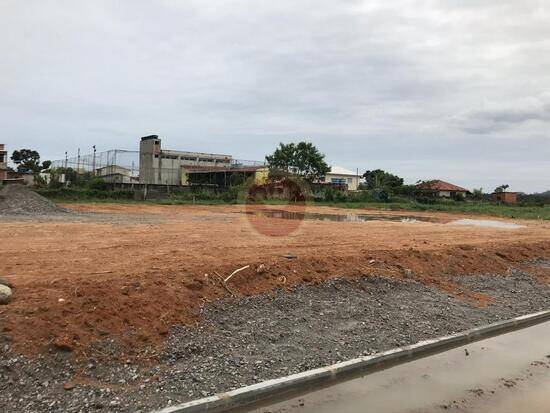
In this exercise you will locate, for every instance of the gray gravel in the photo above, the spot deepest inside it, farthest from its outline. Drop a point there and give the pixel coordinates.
(257, 338)
(17, 199)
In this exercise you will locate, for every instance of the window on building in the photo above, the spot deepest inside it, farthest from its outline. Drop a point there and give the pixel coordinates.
(350, 180)
(337, 181)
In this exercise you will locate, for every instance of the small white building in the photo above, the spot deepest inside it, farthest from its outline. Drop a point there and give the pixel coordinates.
(116, 174)
(342, 176)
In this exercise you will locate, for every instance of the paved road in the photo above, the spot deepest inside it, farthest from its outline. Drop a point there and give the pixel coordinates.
(505, 374)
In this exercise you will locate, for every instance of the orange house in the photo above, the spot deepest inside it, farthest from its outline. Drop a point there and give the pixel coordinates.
(505, 197)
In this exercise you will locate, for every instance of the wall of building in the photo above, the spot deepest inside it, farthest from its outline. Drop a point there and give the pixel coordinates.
(506, 197)
(149, 160)
(112, 169)
(261, 176)
(351, 181)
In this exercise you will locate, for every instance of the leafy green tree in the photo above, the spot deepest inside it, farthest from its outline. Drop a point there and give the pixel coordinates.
(302, 159)
(502, 188)
(28, 160)
(382, 180)
(477, 194)
(46, 165)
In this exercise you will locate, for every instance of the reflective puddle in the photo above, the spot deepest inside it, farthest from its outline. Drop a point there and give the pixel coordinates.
(314, 216)
(509, 373)
(352, 217)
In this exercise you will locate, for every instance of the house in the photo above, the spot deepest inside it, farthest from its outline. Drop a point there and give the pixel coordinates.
(441, 189)
(341, 176)
(504, 197)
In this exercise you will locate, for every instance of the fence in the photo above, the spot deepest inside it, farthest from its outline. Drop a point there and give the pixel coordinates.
(121, 166)
(93, 162)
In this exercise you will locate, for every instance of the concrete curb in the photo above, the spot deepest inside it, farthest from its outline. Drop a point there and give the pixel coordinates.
(301, 383)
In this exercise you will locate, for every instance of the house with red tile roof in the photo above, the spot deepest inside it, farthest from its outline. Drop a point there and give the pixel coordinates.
(442, 189)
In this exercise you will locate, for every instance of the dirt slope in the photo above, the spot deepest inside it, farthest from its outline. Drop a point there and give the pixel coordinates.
(79, 282)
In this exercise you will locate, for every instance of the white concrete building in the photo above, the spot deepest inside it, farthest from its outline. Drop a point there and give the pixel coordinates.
(342, 176)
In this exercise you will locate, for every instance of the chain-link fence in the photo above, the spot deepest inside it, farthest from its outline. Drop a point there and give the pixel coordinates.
(121, 166)
(96, 161)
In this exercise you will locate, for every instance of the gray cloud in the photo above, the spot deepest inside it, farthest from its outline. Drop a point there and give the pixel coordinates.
(494, 119)
(391, 84)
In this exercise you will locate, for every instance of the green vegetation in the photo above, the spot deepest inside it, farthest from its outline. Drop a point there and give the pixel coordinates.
(28, 160)
(306, 165)
(302, 159)
(480, 208)
(340, 200)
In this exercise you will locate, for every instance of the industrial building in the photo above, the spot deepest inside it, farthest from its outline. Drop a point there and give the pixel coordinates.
(3, 163)
(166, 167)
(159, 166)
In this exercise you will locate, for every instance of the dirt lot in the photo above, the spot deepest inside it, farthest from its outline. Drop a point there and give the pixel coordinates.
(133, 271)
(121, 307)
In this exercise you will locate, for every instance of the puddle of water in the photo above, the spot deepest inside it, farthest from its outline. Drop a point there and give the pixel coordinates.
(314, 216)
(486, 223)
(496, 375)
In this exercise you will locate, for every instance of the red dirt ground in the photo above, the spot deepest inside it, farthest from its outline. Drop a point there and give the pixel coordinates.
(77, 281)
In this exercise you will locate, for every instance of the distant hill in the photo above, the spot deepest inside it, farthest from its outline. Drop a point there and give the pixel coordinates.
(543, 197)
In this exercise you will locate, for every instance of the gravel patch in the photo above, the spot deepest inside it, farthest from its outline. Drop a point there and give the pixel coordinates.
(257, 338)
(541, 262)
(17, 199)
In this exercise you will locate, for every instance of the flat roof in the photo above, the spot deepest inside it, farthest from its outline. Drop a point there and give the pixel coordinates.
(113, 166)
(213, 155)
(338, 170)
(208, 169)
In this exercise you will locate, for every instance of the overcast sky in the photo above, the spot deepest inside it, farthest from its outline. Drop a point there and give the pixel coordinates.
(450, 89)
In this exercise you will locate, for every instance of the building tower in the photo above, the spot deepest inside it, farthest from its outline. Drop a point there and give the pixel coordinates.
(3, 163)
(149, 160)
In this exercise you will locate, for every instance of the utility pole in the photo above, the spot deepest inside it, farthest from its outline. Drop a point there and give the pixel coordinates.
(66, 165)
(93, 161)
(77, 165)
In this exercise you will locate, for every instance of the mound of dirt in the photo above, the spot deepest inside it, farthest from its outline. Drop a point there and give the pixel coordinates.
(19, 200)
